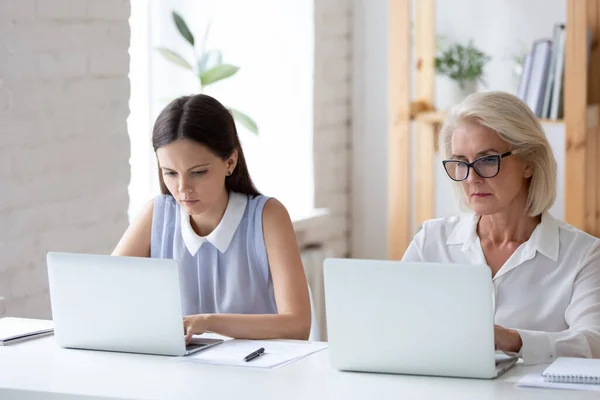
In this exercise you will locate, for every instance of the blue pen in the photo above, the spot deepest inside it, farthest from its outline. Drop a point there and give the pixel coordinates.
(254, 354)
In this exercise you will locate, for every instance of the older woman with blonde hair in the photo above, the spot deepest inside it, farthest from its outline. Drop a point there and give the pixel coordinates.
(546, 273)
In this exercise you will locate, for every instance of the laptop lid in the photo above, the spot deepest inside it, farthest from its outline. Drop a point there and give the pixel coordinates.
(410, 318)
(113, 303)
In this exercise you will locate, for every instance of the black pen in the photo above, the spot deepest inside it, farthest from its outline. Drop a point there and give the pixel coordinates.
(254, 354)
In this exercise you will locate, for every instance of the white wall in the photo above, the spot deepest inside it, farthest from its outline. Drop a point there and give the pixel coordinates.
(64, 149)
(369, 130)
(332, 144)
(499, 27)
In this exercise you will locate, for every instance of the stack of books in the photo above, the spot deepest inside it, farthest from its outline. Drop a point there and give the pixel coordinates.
(541, 85)
(14, 330)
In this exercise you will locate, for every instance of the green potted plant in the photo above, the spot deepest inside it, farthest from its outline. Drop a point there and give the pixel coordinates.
(459, 69)
(208, 66)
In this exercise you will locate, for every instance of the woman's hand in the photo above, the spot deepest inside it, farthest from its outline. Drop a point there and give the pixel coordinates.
(507, 340)
(194, 325)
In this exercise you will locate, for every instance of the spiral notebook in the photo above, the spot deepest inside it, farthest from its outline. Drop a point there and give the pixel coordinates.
(573, 370)
(566, 374)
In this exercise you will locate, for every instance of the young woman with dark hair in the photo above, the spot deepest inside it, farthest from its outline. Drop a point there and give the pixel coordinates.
(239, 264)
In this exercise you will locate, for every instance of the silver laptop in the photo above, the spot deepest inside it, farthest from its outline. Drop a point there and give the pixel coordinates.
(125, 304)
(411, 318)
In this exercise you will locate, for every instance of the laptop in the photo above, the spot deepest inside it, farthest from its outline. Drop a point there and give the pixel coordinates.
(411, 318)
(124, 304)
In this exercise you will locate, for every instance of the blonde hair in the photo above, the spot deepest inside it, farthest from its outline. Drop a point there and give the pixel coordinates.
(515, 123)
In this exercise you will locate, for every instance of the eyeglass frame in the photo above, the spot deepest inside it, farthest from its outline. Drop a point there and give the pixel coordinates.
(472, 165)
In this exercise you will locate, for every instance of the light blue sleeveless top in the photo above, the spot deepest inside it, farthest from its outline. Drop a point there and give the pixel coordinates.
(224, 272)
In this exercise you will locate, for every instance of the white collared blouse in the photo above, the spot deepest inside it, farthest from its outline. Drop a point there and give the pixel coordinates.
(548, 290)
(224, 272)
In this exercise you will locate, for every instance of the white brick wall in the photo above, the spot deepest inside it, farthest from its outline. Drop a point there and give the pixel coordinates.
(332, 113)
(64, 148)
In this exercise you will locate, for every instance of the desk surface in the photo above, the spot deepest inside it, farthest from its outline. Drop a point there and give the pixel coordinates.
(40, 369)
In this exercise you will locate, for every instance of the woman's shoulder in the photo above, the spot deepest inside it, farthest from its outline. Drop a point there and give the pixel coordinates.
(164, 199)
(164, 203)
(575, 239)
(265, 209)
(164, 209)
(257, 198)
(255, 204)
(443, 227)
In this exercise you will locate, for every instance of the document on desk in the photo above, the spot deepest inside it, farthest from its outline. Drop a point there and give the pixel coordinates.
(537, 380)
(14, 330)
(277, 353)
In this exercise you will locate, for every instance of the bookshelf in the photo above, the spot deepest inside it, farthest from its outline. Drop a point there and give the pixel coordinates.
(581, 119)
(437, 117)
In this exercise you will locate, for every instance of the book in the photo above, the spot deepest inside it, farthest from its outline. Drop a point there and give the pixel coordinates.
(557, 94)
(573, 370)
(536, 85)
(556, 52)
(524, 80)
(14, 330)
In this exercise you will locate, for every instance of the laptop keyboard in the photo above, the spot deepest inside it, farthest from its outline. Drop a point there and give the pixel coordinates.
(193, 346)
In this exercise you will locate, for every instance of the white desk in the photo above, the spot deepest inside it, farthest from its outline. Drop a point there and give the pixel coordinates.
(38, 369)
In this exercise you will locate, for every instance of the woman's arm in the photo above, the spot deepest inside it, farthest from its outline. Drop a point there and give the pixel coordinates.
(582, 339)
(415, 248)
(136, 239)
(289, 282)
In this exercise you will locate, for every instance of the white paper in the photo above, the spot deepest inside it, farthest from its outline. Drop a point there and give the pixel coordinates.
(11, 328)
(537, 380)
(277, 353)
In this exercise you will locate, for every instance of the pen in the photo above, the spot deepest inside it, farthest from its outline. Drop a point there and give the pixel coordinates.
(254, 354)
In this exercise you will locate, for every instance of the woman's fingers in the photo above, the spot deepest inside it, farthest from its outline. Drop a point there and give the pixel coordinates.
(187, 329)
(188, 334)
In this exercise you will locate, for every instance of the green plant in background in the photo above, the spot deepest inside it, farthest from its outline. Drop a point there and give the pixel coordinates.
(461, 63)
(208, 67)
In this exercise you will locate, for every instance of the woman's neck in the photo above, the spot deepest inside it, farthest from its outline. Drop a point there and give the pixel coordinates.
(506, 226)
(203, 224)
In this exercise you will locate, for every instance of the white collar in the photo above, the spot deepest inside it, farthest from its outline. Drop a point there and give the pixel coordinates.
(544, 238)
(221, 236)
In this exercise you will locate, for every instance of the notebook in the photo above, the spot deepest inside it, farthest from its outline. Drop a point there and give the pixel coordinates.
(573, 370)
(13, 330)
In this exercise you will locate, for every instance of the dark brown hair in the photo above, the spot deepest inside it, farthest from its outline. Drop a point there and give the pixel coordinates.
(204, 120)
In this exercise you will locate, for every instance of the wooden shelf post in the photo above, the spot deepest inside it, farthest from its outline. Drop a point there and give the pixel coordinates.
(425, 132)
(582, 88)
(399, 190)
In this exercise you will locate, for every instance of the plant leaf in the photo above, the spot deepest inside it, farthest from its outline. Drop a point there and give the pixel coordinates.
(205, 37)
(209, 59)
(182, 28)
(245, 120)
(217, 73)
(175, 58)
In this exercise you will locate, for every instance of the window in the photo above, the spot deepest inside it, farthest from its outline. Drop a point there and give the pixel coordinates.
(272, 42)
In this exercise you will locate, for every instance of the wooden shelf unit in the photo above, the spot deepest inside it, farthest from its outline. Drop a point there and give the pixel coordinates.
(582, 115)
(437, 117)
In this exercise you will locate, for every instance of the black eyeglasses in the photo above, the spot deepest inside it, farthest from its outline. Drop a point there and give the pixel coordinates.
(485, 167)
